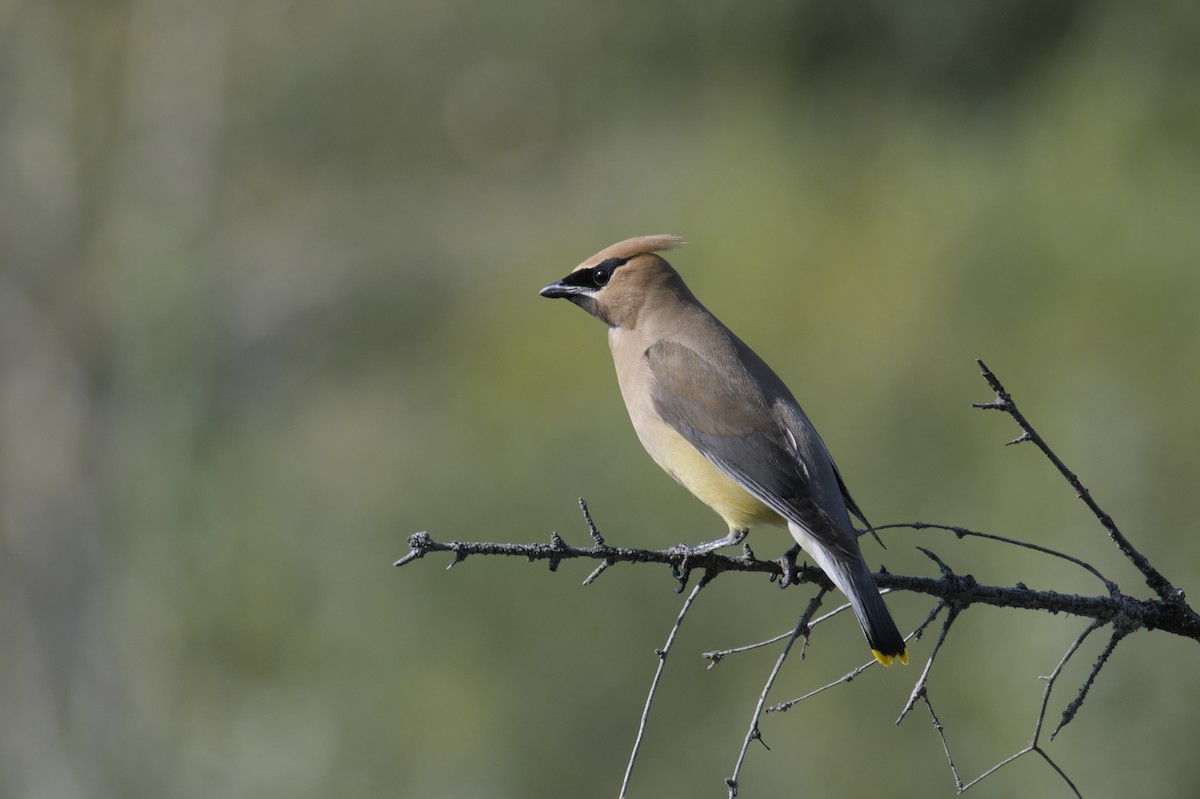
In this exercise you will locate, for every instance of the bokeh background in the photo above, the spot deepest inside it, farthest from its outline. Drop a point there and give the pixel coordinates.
(268, 305)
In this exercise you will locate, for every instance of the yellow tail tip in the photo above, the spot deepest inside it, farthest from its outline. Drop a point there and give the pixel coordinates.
(887, 660)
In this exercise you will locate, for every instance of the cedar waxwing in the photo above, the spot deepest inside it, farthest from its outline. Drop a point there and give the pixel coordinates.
(716, 418)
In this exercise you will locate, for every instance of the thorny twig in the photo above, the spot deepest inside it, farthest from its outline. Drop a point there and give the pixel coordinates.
(1147, 613)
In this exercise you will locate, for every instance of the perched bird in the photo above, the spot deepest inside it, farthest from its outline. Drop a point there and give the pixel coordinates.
(716, 418)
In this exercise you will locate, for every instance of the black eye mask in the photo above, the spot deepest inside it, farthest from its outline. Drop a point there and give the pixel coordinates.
(595, 276)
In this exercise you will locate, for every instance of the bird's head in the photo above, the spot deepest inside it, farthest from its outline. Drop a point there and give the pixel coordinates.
(617, 282)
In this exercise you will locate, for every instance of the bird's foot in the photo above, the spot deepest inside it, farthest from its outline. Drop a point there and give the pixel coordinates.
(787, 566)
(734, 538)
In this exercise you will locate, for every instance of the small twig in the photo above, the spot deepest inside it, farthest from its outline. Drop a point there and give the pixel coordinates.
(802, 629)
(848, 677)
(947, 572)
(596, 572)
(963, 532)
(418, 548)
(919, 688)
(715, 656)
(1004, 402)
(1053, 676)
(940, 729)
(591, 525)
(662, 662)
(1119, 632)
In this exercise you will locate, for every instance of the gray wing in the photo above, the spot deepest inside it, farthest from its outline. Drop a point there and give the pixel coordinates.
(761, 439)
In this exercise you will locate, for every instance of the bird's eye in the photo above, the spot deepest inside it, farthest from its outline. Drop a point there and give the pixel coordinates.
(600, 277)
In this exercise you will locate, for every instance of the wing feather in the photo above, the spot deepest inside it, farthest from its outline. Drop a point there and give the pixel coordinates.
(767, 447)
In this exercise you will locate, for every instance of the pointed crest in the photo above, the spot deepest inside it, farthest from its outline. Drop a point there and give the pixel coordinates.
(632, 247)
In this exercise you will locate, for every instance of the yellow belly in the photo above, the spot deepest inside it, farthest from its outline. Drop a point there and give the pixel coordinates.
(737, 506)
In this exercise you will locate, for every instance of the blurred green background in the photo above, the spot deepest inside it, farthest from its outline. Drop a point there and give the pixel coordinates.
(268, 304)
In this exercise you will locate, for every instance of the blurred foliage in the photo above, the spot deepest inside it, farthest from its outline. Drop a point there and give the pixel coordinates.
(268, 279)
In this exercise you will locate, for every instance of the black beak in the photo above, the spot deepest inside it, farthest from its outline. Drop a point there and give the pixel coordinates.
(560, 289)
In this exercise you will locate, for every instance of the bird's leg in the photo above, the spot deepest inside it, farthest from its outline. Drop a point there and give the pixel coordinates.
(734, 538)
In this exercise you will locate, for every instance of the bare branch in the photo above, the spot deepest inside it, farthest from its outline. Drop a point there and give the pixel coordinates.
(1169, 617)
